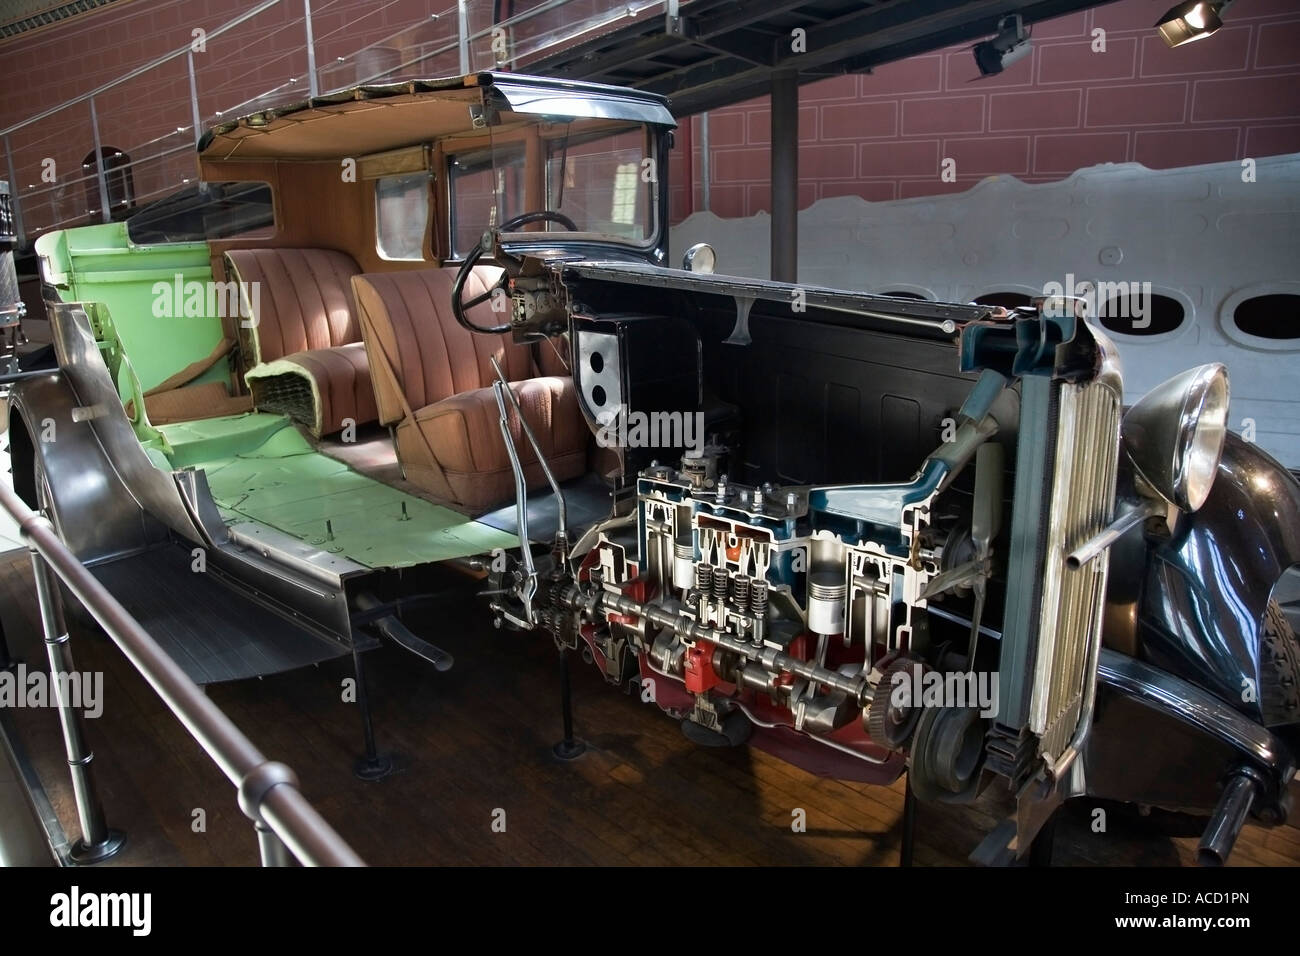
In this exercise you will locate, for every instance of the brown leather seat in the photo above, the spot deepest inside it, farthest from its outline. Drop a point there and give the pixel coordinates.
(433, 379)
(304, 353)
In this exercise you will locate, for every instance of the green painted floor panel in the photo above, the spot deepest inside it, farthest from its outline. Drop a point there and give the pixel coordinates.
(267, 472)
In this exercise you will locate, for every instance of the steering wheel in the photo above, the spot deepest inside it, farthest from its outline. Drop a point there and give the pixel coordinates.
(460, 308)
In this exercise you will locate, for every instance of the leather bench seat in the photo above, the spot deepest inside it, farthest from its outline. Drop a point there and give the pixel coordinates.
(433, 381)
(304, 353)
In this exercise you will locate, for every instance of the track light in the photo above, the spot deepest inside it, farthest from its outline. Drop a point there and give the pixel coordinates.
(1191, 20)
(1011, 44)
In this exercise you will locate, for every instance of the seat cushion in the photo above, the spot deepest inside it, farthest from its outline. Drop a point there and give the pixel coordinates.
(321, 389)
(407, 316)
(302, 300)
(465, 434)
(193, 403)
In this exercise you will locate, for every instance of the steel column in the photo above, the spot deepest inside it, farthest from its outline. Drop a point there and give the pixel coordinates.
(706, 165)
(785, 176)
(99, 163)
(97, 841)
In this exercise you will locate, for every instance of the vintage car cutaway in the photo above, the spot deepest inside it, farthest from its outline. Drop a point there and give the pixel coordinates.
(871, 535)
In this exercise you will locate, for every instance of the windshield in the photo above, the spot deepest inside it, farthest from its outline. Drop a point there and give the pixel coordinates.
(597, 175)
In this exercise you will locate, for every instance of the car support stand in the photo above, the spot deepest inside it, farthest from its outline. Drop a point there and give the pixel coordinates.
(372, 765)
(1040, 851)
(909, 825)
(570, 748)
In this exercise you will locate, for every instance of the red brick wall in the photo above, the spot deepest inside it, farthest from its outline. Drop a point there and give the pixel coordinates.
(880, 136)
(884, 136)
(141, 116)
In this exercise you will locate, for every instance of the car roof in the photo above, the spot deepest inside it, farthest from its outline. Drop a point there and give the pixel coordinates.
(374, 118)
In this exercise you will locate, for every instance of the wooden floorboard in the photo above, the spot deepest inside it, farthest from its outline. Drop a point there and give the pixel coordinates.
(476, 741)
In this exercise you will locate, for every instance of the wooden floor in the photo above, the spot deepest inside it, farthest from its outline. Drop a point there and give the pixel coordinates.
(476, 743)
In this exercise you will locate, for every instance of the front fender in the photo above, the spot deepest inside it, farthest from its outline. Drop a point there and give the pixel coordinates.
(97, 516)
(1207, 588)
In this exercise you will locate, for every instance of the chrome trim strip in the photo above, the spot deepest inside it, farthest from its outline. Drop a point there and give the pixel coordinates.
(1191, 705)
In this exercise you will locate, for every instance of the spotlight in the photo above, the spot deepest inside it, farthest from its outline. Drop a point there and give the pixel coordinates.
(1191, 20)
(1011, 44)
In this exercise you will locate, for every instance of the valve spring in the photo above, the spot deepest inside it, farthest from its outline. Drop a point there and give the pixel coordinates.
(758, 598)
(720, 584)
(703, 578)
(741, 591)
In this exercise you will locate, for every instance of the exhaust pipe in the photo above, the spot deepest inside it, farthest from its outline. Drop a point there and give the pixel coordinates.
(1229, 817)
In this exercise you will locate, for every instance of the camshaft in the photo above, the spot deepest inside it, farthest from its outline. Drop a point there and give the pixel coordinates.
(857, 687)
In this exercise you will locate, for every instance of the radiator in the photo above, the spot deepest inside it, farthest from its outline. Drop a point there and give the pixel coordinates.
(1082, 504)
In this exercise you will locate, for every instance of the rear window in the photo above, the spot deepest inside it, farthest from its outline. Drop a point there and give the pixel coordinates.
(402, 215)
(205, 211)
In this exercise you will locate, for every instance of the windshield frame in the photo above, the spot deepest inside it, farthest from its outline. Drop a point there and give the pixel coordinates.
(546, 132)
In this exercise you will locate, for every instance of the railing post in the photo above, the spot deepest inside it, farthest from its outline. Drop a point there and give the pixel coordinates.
(271, 847)
(14, 204)
(194, 100)
(312, 83)
(99, 163)
(97, 841)
(462, 20)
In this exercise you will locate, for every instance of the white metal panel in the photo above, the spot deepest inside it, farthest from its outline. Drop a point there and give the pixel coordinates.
(1201, 234)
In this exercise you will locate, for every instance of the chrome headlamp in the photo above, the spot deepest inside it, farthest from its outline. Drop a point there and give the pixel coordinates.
(1174, 435)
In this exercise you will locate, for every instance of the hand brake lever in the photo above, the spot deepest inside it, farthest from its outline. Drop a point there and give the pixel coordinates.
(502, 392)
(561, 545)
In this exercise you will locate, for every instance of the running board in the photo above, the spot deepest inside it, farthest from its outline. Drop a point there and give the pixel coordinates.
(212, 631)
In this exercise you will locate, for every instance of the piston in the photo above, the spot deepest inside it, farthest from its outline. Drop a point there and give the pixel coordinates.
(826, 592)
(684, 572)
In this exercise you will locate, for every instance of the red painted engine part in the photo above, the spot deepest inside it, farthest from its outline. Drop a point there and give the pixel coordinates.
(697, 668)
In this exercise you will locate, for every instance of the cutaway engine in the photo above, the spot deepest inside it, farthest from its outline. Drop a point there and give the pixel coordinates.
(749, 612)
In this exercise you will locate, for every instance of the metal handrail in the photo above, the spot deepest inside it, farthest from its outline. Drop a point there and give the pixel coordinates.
(268, 791)
(140, 70)
(465, 37)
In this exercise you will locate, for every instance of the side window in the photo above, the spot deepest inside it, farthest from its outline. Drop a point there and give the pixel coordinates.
(402, 215)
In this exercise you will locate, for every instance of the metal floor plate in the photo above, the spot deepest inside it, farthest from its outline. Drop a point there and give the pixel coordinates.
(213, 632)
(587, 500)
